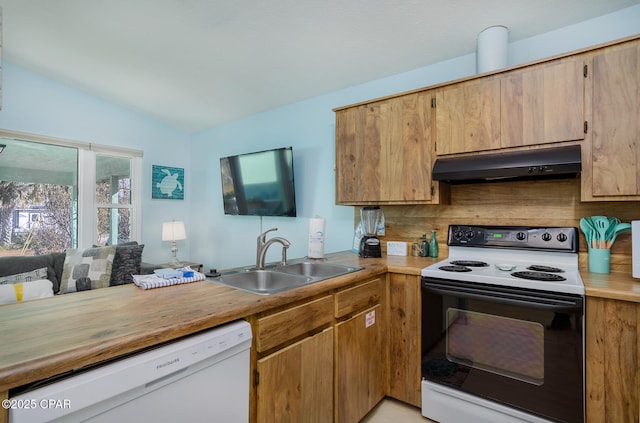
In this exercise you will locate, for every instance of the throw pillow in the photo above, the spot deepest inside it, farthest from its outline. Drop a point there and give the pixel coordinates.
(12, 293)
(93, 263)
(24, 277)
(12, 265)
(126, 263)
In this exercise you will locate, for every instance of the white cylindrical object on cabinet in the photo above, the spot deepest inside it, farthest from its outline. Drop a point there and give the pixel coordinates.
(316, 237)
(492, 48)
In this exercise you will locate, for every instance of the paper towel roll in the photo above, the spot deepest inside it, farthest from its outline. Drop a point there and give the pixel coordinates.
(316, 237)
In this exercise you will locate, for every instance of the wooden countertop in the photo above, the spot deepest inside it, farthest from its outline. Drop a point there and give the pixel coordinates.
(614, 285)
(43, 338)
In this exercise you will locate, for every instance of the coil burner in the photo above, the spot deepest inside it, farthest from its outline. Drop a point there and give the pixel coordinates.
(539, 276)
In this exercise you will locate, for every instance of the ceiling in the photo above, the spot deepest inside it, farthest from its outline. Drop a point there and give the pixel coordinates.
(194, 64)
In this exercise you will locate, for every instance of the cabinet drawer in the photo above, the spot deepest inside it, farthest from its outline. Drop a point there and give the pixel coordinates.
(357, 298)
(281, 327)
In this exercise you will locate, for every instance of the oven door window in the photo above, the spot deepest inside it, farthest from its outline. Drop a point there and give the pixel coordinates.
(505, 346)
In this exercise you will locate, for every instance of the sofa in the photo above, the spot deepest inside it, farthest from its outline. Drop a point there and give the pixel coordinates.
(25, 278)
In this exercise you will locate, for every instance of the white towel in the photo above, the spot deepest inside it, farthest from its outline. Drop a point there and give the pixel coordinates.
(155, 281)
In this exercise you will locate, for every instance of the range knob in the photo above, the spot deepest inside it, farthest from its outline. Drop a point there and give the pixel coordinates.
(458, 234)
(470, 234)
(561, 237)
(546, 236)
(521, 236)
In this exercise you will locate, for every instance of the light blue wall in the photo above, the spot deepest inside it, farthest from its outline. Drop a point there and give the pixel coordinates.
(309, 126)
(32, 103)
(37, 105)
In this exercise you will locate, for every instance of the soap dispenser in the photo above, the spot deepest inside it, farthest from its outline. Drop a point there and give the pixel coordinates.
(433, 245)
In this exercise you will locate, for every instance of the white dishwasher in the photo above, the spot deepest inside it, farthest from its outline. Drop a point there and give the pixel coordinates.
(201, 378)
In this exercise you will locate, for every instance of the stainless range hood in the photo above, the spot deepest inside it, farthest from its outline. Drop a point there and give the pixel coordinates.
(556, 162)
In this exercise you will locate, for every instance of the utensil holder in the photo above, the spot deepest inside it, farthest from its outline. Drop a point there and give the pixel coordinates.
(599, 260)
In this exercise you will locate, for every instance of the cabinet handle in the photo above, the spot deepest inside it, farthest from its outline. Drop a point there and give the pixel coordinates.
(586, 126)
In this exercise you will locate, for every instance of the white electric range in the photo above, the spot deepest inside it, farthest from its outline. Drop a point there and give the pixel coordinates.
(504, 338)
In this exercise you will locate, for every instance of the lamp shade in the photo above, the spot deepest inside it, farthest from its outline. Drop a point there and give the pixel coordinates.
(173, 231)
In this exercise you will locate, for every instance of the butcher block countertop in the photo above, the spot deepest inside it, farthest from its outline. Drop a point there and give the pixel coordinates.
(43, 338)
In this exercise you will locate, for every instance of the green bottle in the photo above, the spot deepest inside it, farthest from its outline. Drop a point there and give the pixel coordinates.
(433, 245)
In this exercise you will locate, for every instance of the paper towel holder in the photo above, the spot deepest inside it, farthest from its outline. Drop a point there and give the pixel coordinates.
(316, 238)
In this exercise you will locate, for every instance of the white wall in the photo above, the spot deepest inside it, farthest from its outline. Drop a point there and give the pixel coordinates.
(32, 103)
(309, 126)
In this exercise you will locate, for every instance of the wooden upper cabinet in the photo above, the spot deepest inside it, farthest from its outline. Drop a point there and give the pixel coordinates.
(611, 169)
(384, 151)
(536, 105)
(543, 104)
(349, 150)
(468, 117)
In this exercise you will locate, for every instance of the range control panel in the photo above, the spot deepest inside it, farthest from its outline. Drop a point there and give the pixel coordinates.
(563, 239)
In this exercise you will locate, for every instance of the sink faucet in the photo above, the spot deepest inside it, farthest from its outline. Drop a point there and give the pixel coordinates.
(263, 245)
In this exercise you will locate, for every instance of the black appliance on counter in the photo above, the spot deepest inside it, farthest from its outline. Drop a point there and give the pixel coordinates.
(502, 332)
(370, 244)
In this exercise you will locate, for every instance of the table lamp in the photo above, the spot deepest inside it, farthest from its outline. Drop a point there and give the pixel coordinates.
(173, 231)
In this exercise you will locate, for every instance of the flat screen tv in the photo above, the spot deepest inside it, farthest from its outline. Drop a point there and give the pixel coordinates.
(259, 184)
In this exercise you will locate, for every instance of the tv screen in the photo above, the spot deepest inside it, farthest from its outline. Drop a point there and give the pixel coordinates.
(259, 184)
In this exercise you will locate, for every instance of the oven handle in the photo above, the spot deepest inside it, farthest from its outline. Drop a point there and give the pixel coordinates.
(513, 296)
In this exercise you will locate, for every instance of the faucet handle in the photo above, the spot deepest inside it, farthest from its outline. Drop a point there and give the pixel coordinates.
(263, 236)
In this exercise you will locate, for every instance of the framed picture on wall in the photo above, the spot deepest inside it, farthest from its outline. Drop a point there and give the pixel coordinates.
(167, 182)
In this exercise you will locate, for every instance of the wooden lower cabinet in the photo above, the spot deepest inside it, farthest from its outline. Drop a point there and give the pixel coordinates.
(612, 361)
(405, 374)
(322, 360)
(296, 383)
(360, 364)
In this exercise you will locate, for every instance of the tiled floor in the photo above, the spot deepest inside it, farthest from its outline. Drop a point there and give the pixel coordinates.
(392, 411)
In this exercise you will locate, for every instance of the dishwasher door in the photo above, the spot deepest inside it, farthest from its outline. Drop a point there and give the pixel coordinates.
(203, 377)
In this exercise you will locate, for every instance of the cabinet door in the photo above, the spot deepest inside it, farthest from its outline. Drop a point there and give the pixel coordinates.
(360, 365)
(615, 136)
(398, 150)
(543, 104)
(385, 152)
(296, 383)
(468, 117)
(349, 154)
(409, 151)
(612, 343)
(405, 374)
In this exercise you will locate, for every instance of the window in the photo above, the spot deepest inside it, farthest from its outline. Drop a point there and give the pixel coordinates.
(56, 194)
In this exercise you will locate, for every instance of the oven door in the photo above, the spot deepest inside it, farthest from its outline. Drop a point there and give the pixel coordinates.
(505, 346)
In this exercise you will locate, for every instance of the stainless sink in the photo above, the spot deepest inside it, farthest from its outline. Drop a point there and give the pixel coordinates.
(317, 270)
(280, 278)
(262, 281)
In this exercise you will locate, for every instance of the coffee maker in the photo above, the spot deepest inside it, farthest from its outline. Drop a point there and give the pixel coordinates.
(370, 244)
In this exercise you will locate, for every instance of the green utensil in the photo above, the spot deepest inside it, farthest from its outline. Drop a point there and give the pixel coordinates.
(619, 228)
(613, 221)
(601, 223)
(587, 229)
